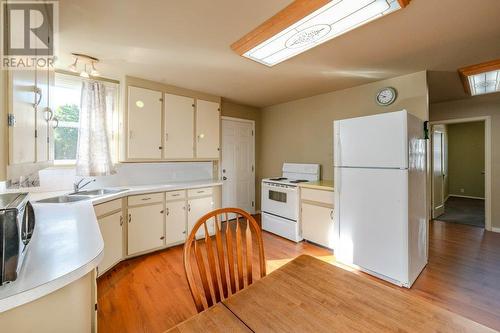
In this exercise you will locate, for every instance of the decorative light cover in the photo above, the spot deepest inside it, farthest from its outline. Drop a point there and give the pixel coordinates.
(485, 83)
(332, 19)
(482, 78)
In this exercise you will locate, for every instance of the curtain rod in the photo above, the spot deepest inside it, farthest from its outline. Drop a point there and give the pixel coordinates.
(62, 71)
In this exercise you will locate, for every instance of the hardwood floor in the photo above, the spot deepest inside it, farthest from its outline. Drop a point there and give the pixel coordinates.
(150, 293)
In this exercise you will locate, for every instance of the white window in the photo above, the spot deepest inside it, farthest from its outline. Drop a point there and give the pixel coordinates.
(67, 99)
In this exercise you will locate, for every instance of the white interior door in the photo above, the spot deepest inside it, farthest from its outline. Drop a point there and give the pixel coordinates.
(179, 126)
(437, 173)
(144, 123)
(238, 160)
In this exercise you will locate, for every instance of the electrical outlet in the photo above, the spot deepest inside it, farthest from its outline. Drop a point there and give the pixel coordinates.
(462, 190)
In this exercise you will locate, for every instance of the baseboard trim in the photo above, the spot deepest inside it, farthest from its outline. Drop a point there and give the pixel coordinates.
(465, 196)
(495, 229)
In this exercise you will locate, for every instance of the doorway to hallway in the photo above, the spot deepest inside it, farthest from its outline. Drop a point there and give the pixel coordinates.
(460, 177)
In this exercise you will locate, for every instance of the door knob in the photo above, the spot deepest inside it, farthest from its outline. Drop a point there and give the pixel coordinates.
(224, 178)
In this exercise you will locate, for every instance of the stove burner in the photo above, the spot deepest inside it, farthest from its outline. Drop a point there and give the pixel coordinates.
(278, 179)
(296, 181)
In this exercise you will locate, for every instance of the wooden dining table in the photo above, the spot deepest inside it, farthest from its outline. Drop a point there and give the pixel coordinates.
(309, 295)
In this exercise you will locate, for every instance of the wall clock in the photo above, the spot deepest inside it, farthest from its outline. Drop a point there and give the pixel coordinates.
(386, 96)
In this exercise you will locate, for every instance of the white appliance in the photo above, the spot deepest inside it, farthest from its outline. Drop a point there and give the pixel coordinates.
(280, 199)
(380, 195)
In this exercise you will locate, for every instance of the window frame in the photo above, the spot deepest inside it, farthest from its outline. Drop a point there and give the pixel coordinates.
(113, 129)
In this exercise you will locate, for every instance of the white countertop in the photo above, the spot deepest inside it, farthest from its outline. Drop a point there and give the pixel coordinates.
(67, 243)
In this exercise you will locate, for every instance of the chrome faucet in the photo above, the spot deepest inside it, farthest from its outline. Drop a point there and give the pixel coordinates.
(77, 186)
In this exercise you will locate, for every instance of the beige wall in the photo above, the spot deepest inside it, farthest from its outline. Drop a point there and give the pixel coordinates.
(466, 159)
(234, 110)
(302, 130)
(488, 105)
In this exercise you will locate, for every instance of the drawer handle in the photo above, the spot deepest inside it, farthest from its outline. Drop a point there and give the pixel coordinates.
(145, 199)
(129, 218)
(176, 195)
(168, 211)
(121, 220)
(201, 191)
(331, 214)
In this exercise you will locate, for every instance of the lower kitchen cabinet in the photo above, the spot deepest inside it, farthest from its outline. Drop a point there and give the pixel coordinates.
(197, 207)
(175, 222)
(145, 228)
(317, 224)
(112, 235)
(143, 223)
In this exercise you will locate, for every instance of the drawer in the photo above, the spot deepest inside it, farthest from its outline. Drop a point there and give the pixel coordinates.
(317, 195)
(175, 195)
(107, 207)
(200, 192)
(145, 199)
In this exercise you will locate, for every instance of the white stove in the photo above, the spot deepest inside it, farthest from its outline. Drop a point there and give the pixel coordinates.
(280, 199)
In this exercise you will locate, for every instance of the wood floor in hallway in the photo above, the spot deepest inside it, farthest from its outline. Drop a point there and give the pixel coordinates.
(150, 293)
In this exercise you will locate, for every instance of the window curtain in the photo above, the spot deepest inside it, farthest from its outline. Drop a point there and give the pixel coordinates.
(93, 157)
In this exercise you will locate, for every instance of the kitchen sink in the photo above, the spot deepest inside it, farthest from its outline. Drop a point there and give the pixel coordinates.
(98, 192)
(65, 199)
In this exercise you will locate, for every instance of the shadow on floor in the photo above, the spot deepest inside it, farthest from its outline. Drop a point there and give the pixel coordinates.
(463, 211)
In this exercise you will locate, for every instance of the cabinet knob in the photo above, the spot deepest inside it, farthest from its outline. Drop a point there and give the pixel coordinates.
(162, 237)
(161, 211)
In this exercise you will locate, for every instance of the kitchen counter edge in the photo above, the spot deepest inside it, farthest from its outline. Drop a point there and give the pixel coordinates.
(11, 296)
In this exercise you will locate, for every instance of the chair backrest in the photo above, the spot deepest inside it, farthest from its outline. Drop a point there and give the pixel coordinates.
(227, 273)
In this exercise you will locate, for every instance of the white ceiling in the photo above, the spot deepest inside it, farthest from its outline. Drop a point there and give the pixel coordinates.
(186, 43)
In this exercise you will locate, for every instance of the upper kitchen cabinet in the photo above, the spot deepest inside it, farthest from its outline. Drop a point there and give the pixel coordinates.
(29, 131)
(179, 127)
(144, 123)
(45, 82)
(167, 123)
(207, 129)
(22, 117)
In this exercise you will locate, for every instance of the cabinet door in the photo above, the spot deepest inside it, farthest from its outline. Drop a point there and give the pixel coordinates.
(196, 209)
(144, 124)
(145, 228)
(45, 82)
(22, 134)
(317, 224)
(111, 231)
(175, 222)
(207, 129)
(179, 127)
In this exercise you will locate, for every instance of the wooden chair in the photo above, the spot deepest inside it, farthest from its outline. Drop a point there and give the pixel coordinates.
(221, 266)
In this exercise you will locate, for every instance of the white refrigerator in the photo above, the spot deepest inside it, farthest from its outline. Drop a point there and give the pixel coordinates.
(380, 199)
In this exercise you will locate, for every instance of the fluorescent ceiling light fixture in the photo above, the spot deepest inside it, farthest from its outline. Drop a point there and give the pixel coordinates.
(482, 78)
(308, 23)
